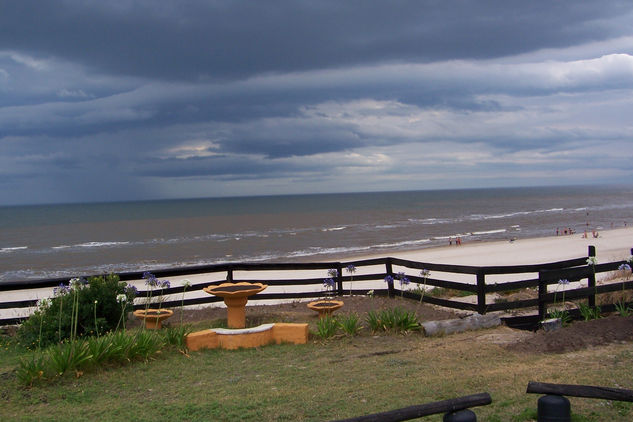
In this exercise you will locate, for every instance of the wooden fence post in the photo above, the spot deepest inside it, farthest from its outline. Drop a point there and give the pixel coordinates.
(389, 271)
(481, 291)
(591, 279)
(229, 275)
(339, 278)
(542, 292)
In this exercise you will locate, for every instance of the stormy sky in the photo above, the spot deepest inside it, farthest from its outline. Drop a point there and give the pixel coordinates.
(145, 99)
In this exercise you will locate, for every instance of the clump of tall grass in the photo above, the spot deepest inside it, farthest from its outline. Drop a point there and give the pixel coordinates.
(589, 312)
(350, 324)
(393, 319)
(326, 326)
(113, 348)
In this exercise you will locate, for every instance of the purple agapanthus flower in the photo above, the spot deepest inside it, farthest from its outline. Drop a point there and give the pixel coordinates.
(624, 267)
(164, 284)
(131, 289)
(351, 269)
(404, 280)
(389, 279)
(563, 281)
(332, 272)
(328, 282)
(150, 279)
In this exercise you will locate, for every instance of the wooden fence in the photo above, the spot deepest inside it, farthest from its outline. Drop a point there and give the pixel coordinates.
(479, 285)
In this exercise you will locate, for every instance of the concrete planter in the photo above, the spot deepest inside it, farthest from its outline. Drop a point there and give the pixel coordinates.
(153, 318)
(552, 324)
(325, 307)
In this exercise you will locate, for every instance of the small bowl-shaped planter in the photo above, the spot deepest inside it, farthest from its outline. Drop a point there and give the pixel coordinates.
(325, 307)
(153, 318)
(552, 324)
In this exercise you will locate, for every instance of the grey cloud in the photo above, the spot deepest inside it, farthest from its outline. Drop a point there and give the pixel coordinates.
(194, 40)
(129, 95)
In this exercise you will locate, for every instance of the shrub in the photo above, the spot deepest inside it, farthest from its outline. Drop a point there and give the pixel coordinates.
(89, 307)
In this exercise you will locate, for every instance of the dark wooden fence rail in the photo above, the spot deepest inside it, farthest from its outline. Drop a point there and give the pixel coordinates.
(417, 411)
(550, 272)
(586, 391)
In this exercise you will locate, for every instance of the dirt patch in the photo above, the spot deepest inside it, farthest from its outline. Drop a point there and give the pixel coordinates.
(299, 311)
(578, 335)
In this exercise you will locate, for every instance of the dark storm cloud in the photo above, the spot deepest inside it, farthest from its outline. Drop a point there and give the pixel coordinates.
(194, 40)
(132, 99)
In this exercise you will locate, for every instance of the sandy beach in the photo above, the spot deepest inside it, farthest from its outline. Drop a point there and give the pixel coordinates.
(611, 245)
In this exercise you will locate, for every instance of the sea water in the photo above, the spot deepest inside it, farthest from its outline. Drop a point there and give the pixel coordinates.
(49, 241)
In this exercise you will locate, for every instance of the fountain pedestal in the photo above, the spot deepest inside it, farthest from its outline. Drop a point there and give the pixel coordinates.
(235, 296)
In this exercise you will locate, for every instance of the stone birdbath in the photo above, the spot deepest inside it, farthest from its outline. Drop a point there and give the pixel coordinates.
(153, 318)
(325, 307)
(235, 296)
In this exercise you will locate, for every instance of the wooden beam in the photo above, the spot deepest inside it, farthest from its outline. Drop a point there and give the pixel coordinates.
(587, 391)
(417, 411)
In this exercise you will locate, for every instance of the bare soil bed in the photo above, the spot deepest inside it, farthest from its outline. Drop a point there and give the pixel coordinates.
(578, 335)
(299, 311)
(574, 336)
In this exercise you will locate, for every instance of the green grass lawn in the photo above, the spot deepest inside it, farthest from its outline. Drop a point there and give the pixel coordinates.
(320, 381)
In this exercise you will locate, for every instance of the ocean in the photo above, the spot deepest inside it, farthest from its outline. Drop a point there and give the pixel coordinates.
(50, 241)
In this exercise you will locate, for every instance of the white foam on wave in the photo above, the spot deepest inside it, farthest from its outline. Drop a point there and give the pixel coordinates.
(403, 243)
(429, 221)
(100, 244)
(333, 229)
(323, 251)
(512, 214)
(490, 232)
(13, 249)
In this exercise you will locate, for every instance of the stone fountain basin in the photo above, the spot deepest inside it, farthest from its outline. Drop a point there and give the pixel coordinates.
(235, 290)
